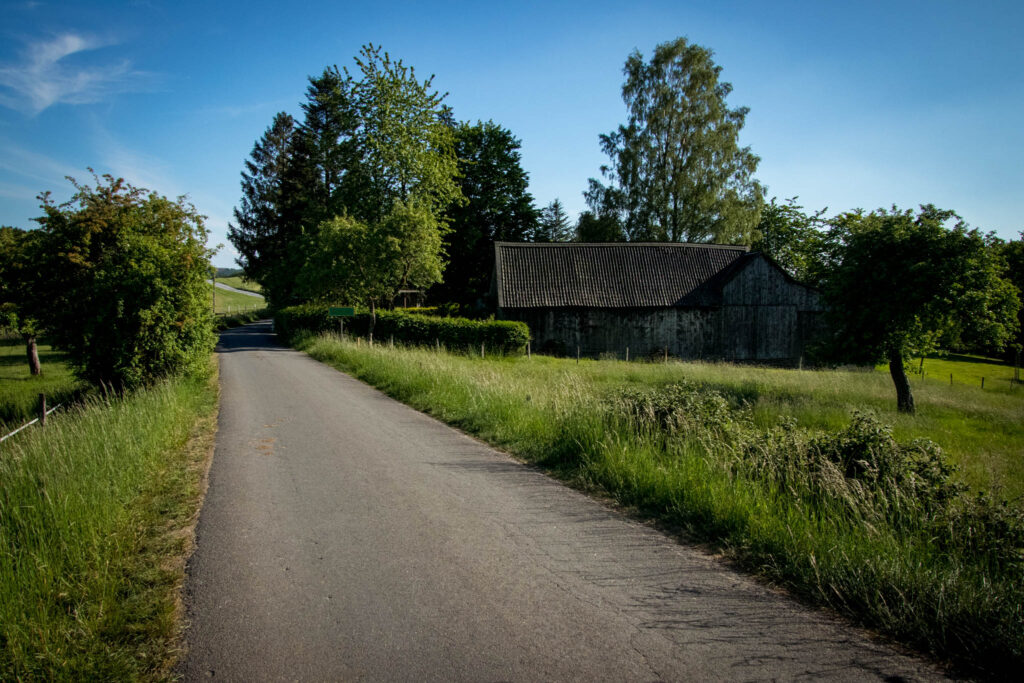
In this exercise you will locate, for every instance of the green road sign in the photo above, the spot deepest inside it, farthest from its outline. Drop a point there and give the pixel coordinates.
(341, 312)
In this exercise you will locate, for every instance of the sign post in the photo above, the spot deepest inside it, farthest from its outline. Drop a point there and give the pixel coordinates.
(341, 312)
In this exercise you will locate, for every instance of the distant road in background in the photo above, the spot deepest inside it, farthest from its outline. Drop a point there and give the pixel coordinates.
(221, 285)
(346, 536)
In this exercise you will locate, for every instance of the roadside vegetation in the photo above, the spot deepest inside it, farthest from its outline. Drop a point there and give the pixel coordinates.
(795, 475)
(95, 511)
(96, 507)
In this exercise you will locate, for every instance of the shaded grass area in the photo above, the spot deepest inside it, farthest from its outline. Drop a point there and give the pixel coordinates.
(19, 390)
(95, 513)
(879, 558)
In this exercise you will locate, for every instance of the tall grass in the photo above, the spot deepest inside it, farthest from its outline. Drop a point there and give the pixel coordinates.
(90, 554)
(759, 462)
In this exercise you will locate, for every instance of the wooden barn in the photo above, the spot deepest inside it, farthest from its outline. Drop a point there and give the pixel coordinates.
(698, 301)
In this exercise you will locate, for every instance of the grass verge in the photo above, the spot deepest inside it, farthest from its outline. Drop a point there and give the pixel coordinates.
(95, 523)
(765, 465)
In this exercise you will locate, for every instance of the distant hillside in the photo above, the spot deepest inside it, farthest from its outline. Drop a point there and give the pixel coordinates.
(228, 272)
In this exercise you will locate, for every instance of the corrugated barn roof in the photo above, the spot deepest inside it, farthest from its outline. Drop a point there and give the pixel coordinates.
(620, 275)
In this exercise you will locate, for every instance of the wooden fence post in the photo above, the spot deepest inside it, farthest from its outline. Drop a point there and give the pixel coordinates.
(42, 410)
(577, 355)
(982, 382)
(481, 349)
(528, 350)
(627, 354)
(666, 354)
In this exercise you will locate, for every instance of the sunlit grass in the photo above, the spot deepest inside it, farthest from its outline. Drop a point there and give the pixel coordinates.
(229, 303)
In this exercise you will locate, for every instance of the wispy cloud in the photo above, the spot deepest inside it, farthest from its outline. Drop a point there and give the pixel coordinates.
(25, 163)
(46, 75)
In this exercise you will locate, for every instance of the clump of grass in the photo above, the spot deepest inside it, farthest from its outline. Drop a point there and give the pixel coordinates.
(775, 467)
(89, 561)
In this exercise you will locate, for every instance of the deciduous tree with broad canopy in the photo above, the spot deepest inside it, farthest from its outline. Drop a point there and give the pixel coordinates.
(126, 286)
(677, 172)
(897, 281)
(372, 150)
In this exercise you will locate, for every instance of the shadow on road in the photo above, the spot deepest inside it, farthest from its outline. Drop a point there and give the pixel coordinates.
(258, 336)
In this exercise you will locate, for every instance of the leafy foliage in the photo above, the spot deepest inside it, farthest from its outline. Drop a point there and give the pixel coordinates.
(897, 282)
(498, 207)
(126, 287)
(1013, 255)
(677, 172)
(372, 152)
(352, 260)
(793, 239)
(20, 303)
(593, 227)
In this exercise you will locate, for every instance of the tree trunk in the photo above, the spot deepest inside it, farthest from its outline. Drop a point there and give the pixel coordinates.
(33, 354)
(904, 397)
(373, 316)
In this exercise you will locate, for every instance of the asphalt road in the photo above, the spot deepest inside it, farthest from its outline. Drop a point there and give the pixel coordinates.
(347, 537)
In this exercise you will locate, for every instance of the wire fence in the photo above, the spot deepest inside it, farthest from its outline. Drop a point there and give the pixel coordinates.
(45, 413)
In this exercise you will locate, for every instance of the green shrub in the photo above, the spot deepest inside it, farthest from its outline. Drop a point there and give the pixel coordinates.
(126, 284)
(502, 336)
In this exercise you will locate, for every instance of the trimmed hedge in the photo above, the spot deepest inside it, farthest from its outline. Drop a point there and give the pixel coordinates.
(503, 336)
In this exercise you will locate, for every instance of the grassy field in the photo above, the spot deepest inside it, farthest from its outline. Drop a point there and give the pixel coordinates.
(229, 303)
(239, 282)
(969, 370)
(769, 466)
(19, 391)
(95, 513)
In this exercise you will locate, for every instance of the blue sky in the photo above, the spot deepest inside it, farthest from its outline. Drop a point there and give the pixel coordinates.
(852, 104)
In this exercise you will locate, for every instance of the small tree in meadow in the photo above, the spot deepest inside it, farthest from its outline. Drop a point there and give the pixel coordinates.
(896, 282)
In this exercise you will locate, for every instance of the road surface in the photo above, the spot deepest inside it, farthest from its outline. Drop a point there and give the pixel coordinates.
(346, 536)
